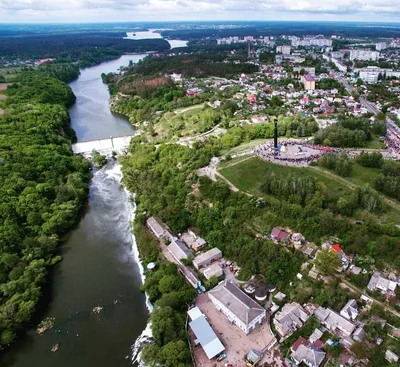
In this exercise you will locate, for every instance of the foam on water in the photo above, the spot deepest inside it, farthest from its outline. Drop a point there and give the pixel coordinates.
(113, 171)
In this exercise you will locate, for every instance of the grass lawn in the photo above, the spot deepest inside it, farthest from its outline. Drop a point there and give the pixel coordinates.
(248, 174)
(177, 122)
(375, 143)
(245, 146)
(363, 175)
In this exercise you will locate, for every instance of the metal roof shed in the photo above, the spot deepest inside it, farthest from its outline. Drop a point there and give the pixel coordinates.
(206, 337)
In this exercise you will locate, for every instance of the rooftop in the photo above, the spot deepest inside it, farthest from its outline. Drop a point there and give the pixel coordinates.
(245, 308)
(179, 250)
(309, 78)
(207, 255)
(206, 336)
(155, 226)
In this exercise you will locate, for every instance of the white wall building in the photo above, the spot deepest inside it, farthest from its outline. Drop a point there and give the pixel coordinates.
(370, 74)
(284, 50)
(364, 55)
(237, 306)
(381, 46)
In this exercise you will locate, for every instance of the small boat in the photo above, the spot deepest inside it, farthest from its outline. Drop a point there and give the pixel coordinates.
(55, 347)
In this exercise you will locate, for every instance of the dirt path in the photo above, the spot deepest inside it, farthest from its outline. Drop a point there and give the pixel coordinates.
(357, 290)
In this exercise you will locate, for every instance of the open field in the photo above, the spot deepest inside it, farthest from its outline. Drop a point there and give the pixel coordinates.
(179, 122)
(246, 146)
(248, 174)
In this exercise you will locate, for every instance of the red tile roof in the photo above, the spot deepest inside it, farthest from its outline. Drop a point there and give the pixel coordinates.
(337, 248)
(278, 234)
(299, 342)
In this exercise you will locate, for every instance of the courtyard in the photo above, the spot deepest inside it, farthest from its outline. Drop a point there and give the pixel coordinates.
(237, 343)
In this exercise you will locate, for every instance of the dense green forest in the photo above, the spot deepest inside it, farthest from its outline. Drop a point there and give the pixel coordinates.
(350, 132)
(198, 64)
(87, 48)
(171, 295)
(43, 188)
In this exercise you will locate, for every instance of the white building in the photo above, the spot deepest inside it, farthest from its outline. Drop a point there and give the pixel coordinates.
(350, 310)
(370, 74)
(378, 282)
(290, 318)
(381, 46)
(156, 227)
(179, 250)
(342, 67)
(213, 270)
(364, 55)
(284, 50)
(318, 42)
(237, 306)
(207, 258)
(336, 323)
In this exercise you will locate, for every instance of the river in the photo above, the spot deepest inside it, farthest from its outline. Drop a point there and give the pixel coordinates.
(99, 266)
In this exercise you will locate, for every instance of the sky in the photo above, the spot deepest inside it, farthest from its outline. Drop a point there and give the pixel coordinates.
(54, 11)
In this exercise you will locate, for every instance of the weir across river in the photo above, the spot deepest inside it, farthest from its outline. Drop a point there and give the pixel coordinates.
(103, 146)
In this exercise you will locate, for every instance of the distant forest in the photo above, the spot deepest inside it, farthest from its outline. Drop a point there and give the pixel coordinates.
(76, 46)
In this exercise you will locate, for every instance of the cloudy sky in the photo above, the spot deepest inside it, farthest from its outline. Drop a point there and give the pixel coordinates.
(146, 10)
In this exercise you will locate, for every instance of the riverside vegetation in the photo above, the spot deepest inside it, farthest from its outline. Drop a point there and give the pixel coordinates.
(43, 187)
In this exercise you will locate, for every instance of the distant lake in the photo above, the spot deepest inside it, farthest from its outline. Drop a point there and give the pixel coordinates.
(152, 34)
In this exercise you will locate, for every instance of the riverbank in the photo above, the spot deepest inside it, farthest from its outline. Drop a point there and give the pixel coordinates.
(99, 268)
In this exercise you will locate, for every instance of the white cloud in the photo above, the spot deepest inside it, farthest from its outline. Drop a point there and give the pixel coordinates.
(142, 10)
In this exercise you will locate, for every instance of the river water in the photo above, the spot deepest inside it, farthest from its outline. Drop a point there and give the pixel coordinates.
(99, 266)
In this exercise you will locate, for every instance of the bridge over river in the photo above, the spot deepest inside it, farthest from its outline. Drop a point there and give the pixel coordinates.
(103, 146)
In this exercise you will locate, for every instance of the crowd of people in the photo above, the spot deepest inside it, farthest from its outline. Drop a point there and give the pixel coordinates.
(291, 152)
(392, 140)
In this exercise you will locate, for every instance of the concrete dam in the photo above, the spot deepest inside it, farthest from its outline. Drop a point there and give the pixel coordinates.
(103, 146)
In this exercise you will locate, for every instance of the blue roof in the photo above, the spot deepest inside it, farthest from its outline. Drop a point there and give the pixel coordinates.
(206, 336)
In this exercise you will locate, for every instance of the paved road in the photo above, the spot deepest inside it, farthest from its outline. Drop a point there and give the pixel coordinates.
(393, 131)
(357, 290)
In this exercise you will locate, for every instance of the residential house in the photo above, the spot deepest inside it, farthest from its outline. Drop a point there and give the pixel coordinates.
(350, 310)
(304, 352)
(290, 318)
(336, 323)
(359, 334)
(316, 335)
(251, 98)
(193, 241)
(278, 234)
(207, 258)
(237, 306)
(378, 282)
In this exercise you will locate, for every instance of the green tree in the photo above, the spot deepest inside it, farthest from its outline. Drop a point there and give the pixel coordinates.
(327, 261)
